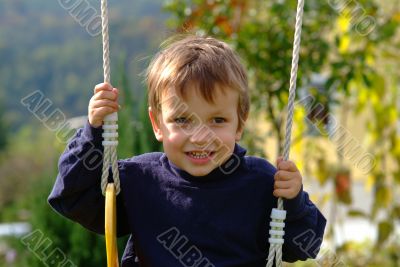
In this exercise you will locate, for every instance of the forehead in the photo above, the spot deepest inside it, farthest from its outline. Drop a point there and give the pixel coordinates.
(192, 99)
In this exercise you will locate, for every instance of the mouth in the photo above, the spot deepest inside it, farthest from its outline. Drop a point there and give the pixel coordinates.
(200, 154)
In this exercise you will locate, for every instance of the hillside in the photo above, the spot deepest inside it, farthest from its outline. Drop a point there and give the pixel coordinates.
(46, 46)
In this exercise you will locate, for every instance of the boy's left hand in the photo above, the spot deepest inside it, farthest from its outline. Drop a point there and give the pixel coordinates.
(288, 180)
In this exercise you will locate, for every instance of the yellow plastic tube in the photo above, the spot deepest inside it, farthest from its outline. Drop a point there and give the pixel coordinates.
(111, 226)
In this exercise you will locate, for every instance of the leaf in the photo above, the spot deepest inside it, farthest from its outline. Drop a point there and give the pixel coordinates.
(396, 176)
(344, 44)
(370, 60)
(392, 114)
(396, 17)
(363, 98)
(396, 212)
(357, 213)
(322, 172)
(382, 196)
(366, 80)
(343, 23)
(384, 230)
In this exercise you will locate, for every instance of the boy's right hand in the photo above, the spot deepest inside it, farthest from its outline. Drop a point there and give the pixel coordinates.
(103, 102)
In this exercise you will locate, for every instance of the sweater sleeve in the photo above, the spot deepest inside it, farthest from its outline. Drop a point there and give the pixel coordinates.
(76, 193)
(304, 229)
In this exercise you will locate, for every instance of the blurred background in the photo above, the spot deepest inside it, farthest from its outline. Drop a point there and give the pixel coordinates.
(346, 136)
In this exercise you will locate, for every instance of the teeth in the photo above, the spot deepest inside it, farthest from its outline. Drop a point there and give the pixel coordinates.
(198, 155)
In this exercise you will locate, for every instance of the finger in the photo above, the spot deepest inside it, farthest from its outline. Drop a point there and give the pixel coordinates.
(102, 112)
(285, 193)
(104, 103)
(116, 92)
(284, 175)
(110, 95)
(279, 160)
(287, 166)
(102, 86)
(282, 184)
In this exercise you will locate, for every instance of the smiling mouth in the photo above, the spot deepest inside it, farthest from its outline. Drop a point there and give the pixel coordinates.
(200, 154)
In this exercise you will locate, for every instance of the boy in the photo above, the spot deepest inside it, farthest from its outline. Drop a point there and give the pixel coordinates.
(202, 202)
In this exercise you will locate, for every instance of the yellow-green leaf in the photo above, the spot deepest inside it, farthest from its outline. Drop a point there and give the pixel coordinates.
(384, 230)
(344, 44)
(343, 23)
(396, 17)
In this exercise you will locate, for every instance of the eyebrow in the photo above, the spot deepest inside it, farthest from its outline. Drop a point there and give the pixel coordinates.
(178, 112)
(220, 112)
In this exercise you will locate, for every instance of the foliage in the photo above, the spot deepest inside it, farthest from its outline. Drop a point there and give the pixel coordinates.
(353, 254)
(263, 35)
(42, 47)
(136, 131)
(20, 165)
(70, 238)
(3, 128)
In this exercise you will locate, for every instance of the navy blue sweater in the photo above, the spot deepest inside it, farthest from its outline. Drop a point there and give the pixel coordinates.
(175, 219)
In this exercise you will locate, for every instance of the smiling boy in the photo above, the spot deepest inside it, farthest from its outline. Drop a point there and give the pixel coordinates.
(202, 202)
(201, 137)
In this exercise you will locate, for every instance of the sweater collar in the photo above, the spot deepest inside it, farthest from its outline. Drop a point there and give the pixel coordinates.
(220, 173)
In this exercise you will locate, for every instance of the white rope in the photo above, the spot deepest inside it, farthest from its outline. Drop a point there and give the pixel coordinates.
(276, 239)
(110, 125)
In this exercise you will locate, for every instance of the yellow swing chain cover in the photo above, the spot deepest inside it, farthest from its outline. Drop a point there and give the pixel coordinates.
(111, 226)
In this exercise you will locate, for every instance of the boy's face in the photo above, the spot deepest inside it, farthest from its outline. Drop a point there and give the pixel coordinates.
(197, 135)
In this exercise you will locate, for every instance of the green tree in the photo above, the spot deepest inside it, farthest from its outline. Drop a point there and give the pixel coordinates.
(136, 134)
(262, 33)
(3, 129)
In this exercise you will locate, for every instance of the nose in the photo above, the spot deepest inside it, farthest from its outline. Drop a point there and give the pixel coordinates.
(202, 137)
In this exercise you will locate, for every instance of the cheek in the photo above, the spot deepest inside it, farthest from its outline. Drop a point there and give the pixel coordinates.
(176, 138)
(226, 135)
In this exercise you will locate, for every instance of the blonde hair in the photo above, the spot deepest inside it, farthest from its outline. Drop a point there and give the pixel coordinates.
(200, 61)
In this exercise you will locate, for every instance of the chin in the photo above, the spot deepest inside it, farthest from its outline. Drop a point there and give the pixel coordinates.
(199, 173)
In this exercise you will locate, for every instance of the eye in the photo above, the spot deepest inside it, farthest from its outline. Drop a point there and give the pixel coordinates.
(181, 120)
(219, 120)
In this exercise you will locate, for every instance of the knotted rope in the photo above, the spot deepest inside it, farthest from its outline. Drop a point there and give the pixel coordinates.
(110, 126)
(278, 215)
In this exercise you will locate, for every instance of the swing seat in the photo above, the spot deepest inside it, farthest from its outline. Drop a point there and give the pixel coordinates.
(111, 227)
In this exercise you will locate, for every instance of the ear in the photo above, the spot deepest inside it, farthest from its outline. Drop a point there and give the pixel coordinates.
(238, 134)
(239, 131)
(156, 129)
